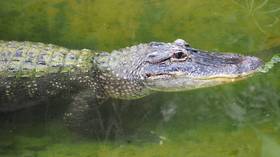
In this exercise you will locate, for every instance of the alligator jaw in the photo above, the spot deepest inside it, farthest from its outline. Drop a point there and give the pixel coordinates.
(197, 69)
(179, 82)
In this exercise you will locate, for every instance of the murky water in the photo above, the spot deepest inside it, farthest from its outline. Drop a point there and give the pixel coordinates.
(235, 120)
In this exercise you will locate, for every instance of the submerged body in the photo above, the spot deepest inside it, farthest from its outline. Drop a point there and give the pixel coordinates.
(32, 72)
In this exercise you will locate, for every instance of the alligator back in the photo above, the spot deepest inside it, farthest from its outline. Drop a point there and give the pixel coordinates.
(27, 59)
(30, 72)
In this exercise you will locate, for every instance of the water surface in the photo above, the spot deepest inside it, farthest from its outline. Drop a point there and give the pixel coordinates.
(235, 120)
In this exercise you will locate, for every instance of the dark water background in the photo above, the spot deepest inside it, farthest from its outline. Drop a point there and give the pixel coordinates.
(235, 120)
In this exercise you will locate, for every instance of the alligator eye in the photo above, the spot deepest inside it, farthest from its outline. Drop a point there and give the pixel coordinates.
(179, 55)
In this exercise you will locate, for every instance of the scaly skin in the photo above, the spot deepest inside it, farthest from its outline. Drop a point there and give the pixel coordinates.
(33, 72)
(30, 72)
(30, 59)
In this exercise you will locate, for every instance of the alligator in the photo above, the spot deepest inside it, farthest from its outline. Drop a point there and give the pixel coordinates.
(31, 72)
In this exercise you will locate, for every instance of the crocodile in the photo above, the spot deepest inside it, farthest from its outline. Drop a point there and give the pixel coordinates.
(31, 72)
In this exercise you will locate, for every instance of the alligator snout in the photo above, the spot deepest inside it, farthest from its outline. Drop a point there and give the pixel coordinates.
(250, 63)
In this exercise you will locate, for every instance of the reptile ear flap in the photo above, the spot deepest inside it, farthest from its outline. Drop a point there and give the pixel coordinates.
(181, 42)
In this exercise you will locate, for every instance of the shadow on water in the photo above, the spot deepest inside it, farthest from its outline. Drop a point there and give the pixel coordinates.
(115, 119)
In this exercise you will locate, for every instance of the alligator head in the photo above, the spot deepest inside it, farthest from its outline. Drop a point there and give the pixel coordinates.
(177, 66)
(158, 66)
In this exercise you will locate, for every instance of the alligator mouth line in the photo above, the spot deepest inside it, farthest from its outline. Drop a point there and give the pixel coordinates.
(159, 75)
(229, 78)
(224, 78)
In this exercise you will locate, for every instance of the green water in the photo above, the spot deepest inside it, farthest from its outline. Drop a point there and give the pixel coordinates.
(270, 64)
(235, 120)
